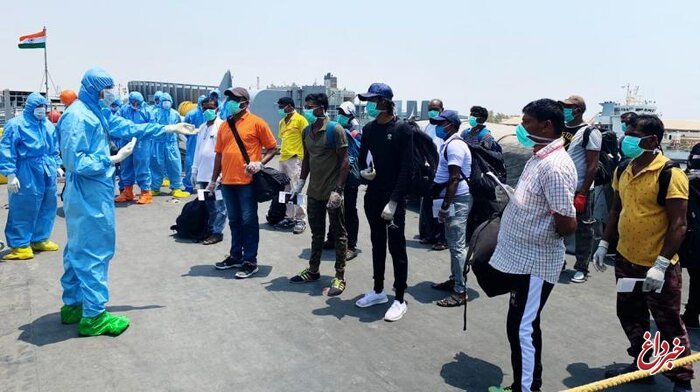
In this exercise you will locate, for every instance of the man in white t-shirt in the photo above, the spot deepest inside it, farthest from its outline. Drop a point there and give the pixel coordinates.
(430, 231)
(203, 166)
(584, 150)
(455, 202)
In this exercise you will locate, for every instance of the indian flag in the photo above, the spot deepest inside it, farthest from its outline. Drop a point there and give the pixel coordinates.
(33, 41)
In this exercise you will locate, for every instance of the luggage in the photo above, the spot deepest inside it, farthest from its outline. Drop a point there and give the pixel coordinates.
(193, 222)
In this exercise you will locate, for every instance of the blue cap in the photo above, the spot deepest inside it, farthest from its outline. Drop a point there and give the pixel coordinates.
(447, 115)
(377, 90)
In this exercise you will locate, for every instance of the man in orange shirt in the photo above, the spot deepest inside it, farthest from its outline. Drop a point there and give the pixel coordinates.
(236, 178)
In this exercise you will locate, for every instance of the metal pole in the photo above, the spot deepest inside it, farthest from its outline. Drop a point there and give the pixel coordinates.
(46, 67)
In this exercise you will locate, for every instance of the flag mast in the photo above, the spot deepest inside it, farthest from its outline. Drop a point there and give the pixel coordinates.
(46, 69)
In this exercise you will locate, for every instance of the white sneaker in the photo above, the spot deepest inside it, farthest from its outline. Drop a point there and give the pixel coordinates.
(396, 311)
(579, 277)
(372, 298)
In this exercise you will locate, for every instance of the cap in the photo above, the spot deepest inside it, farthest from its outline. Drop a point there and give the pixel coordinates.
(285, 101)
(575, 100)
(348, 107)
(238, 92)
(447, 115)
(377, 90)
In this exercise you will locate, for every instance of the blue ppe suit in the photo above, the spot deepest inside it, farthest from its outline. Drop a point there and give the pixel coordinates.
(137, 167)
(88, 200)
(223, 113)
(153, 109)
(29, 150)
(196, 118)
(165, 160)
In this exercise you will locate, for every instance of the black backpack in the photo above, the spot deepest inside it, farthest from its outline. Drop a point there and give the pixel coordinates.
(424, 163)
(609, 157)
(193, 222)
(664, 178)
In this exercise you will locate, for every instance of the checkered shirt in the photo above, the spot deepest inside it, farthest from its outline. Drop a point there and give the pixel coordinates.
(528, 242)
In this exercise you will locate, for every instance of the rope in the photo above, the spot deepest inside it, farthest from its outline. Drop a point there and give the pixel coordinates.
(633, 376)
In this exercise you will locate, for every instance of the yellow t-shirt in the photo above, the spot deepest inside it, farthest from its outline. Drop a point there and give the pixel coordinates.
(643, 222)
(291, 134)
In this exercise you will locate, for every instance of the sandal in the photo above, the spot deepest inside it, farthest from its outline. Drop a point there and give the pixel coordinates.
(213, 239)
(453, 301)
(439, 246)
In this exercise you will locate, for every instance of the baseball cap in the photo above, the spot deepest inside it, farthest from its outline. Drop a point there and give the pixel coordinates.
(284, 101)
(377, 90)
(447, 115)
(575, 100)
(348, 107)
(238, 92)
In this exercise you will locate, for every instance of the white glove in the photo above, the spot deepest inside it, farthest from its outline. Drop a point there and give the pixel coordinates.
(193, 177)
(389, 211)
(298, 187)
(599, 256)
(655, 275)
(253, 167)
(335, 201)
(181, 128)
(13, 183)
(211, 186)
(368, 174)
(124, 152)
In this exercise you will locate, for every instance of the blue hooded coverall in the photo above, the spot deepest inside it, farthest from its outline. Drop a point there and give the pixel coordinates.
(196, 118)
(165, 159)
(138, 165)
(29, 150)
(88, 200)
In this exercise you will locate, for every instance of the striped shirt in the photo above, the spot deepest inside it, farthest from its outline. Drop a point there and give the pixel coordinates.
(527, 241)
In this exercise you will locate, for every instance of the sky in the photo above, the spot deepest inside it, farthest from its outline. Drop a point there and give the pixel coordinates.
(497, 54)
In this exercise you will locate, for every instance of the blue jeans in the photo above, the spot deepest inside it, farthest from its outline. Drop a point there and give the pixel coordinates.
(217, 212)
(242, 210)
(456, 234)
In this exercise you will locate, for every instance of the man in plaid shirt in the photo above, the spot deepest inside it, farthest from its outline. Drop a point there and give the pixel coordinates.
(530, 250)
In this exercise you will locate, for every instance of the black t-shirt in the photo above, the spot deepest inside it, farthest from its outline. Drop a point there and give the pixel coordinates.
(391, 148)
(569, 133)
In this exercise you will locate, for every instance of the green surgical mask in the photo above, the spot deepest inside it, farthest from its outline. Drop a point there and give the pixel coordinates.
(433, 113)
(209, 114)
(343, 120)
(281, 113)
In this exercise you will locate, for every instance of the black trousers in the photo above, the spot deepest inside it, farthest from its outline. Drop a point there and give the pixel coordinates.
(352, 220)
(382, 233)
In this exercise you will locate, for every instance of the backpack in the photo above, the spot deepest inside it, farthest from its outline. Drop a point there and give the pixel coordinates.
(664, 178)
(424, 161)
(354, 179)
(484, 131)
(193, 222)
(608, 158)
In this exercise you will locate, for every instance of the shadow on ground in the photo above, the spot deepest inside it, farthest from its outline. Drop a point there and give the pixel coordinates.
(208, 271)
(340, 308)
(282, 284)
(48, 329)
(423, 293)
(471, 374)
(582, 374)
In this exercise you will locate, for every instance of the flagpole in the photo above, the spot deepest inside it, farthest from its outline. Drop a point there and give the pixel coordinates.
(46, 67)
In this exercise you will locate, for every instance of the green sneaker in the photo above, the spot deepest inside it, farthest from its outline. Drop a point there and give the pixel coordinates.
(104, 324)
(305, 276)
(71, 314)
(500, 389)
(337, 287)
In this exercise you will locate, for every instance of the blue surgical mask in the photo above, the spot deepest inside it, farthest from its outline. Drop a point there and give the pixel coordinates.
(372, 110)
(233, 107)
(281, 113)
(209, 114)
(440, 132)
(568, 115)
(523, 137)
(343, 119)
(630, 146)
(310, 116)
(167, 105)
(40, 113)
(472, 121)
(623, 126)
(433, 113)
(108, 97)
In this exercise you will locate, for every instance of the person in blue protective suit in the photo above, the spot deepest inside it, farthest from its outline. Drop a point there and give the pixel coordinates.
(85, 130)
(153, 109)
(29, 157)
(196, 118)
(116, 106)
(165, 159)
(223, 112)
(137, 167)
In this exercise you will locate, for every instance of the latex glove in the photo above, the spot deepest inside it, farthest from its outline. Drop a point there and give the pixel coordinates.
(193, 177)
(599, 256)
(253, 168)
(656, 274)
(443, 215)
(298, 187)
(368, 174)
(335, 201)
(389, 211)
(504, 192)
(123, 152)
(211, 186)
(13, 184)
(181, 128)
(580, 202)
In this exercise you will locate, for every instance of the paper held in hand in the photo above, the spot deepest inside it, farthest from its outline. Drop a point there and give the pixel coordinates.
(286, 198)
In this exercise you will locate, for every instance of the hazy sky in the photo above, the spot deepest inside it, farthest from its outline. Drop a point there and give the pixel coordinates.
(499, 54)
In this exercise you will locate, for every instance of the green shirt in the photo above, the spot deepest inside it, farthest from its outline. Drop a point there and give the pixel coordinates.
(323, 161)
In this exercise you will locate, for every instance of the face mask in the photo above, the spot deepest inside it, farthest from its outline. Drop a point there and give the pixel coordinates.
(630, 146)
(472, 121)
(525, 139)
(281, 113)
(433, 113)
(209, 114)
(343, 120)
(167, 105)
(40, 113)
(372, 110)
(233, 107)
(440, 132)
(309, 115)
(108, 97)
(568, 115)
(114, 109)
(624, 127)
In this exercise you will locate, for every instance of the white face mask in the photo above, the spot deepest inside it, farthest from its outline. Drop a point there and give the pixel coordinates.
(109, 96)
(40, 113)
